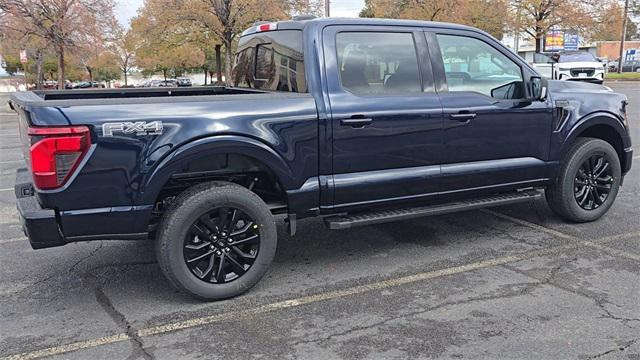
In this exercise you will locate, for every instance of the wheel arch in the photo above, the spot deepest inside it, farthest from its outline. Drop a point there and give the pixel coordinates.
(603, 126)
(212, 153)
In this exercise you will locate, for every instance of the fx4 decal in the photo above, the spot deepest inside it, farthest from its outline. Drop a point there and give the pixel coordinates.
(139, 128)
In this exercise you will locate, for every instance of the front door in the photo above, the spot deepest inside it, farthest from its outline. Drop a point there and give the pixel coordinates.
(386, 119)
(493, 136)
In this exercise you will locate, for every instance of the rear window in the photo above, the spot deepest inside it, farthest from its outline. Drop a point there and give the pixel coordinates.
(271, 61)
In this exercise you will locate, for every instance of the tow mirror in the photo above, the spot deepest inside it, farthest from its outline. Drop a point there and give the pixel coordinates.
(538, 88)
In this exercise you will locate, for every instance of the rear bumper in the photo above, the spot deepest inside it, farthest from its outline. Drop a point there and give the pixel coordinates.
(44, 227)
(38, 224)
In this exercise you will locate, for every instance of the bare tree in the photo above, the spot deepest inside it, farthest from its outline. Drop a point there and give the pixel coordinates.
(62, 24)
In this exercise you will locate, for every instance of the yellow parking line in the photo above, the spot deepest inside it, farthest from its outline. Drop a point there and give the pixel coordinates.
(5, 241)
(342, 293)
(331, 295)
(593, 244)
(62, 349)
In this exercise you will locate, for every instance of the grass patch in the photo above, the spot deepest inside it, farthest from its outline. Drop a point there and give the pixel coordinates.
(623, 76)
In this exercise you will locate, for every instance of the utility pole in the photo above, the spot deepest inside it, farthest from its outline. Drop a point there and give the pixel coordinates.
(624, 35)
(327, 8)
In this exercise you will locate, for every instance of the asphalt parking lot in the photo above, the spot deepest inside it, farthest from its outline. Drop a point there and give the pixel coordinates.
(510, 282)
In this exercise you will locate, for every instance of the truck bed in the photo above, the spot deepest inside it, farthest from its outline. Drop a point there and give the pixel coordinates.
(80, 97)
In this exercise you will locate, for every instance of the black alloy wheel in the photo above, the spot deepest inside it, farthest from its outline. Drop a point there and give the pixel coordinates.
(593, 181)
(221, 245)
(588, 182)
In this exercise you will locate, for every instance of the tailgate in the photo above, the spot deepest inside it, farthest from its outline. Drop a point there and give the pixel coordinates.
(23, 127)
(33, 111)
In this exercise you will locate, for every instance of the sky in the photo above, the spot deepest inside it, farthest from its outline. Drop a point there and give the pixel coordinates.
(126, 9)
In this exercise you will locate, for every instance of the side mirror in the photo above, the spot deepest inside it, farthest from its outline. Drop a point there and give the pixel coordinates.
(538, 88)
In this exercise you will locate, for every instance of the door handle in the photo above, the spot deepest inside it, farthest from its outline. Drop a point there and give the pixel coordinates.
(462, 117)
(356, 121)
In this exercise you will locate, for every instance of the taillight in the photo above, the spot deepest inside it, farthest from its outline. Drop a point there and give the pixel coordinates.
(56, 153)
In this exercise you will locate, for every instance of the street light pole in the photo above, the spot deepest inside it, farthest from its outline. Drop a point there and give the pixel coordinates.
(327, 8)
(624, 34)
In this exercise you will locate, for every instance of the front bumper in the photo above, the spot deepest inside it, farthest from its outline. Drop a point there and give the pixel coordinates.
(38, 224)
(597, 78)
(628, 159)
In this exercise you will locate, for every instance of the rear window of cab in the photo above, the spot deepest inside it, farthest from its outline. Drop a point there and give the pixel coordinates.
(271, 61)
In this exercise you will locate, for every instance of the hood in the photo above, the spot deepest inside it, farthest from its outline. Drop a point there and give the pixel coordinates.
(581, 64)
(579, 98)
(570, 87)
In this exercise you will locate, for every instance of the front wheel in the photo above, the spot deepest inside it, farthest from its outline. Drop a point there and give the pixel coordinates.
(216, 241)
(588, 183)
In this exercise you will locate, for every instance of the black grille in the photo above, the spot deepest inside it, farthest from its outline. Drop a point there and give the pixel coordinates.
(588, 71)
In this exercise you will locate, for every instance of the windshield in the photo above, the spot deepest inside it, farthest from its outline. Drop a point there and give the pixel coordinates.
(576, 57)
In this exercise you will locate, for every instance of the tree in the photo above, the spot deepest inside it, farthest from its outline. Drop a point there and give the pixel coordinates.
(124, 45)
(62, 24)
(537, 17)
(490, 16)
(609, 23)
(106, 68)
(12, 42)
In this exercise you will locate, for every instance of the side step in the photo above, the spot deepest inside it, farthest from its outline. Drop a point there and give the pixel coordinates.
(351, 220)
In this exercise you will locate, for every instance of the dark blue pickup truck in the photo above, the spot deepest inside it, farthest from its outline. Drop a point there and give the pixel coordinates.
(359, 121)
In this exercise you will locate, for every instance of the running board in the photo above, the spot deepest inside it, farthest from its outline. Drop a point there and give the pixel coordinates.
(347, 221)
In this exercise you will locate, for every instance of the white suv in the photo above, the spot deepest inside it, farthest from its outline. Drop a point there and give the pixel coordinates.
(570, 65)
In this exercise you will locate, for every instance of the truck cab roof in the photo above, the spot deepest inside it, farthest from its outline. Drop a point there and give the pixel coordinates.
(321, 22)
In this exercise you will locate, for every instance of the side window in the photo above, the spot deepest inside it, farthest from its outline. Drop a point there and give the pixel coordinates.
(378, 62)
(473, 65)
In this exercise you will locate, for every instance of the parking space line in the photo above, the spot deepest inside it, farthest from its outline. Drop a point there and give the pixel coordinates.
(291, 303)
(6, 241)
(11, 161)
(63, 349)
(345, 292)
(593, 244)
(7, 189)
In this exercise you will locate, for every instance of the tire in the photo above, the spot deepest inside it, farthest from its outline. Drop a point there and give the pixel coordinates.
(565, 195)
(194, 212)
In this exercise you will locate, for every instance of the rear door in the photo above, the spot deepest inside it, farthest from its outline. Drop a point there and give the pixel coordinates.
(493, 135)
(386, 119)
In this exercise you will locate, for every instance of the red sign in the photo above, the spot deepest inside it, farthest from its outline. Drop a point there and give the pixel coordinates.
(23, 56)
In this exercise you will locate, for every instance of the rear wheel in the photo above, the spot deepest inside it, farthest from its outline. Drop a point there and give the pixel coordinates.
(216, 241)
(588, 183)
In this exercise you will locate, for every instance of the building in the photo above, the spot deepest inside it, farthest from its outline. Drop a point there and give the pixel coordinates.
(611, 49)
(527, 46)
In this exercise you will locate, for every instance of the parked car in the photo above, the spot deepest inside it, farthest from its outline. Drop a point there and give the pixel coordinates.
(627, 66)
(151, 83)
(88, 84)
(359, 121)
(183, 81)
(570, 65)
(50, 84)
(168, 83)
